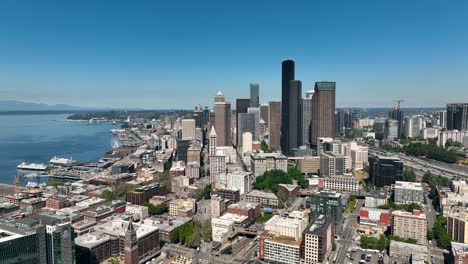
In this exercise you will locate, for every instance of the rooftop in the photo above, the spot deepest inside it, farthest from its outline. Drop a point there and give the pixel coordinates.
(262, 194)
(91, 240)
(417, 186)
(319, 225)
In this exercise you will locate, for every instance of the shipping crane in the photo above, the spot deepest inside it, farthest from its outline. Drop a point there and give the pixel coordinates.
(398, 101)
(17, 177)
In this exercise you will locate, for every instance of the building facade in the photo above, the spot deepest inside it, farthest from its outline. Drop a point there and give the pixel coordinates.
(323, 111)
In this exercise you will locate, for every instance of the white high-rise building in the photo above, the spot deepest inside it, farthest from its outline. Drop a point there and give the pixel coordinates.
(240, 180)
(246, 142)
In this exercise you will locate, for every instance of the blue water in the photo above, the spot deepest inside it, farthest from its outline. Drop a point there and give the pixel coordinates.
(37, 138)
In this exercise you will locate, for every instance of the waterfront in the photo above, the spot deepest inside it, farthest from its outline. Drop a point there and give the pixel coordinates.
(37, 138)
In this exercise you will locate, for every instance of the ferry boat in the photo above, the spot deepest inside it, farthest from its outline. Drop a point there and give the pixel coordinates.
(32, 185)
(63, 162)
(32, 166)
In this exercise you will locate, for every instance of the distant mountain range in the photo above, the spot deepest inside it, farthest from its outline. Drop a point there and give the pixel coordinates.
(12, 105)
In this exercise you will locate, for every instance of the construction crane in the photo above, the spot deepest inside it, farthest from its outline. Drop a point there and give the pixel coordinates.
(398, 101)
(17, 177)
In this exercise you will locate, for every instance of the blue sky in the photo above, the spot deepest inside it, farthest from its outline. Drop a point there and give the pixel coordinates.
(166, 54)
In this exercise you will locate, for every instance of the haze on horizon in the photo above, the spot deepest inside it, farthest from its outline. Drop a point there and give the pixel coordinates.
(177, 54)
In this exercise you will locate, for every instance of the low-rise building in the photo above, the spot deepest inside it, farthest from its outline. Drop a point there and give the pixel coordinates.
(262, 162)
(308, 165)
(141, 195)
(147, 236)
(459, 253)
(405, 250)
(410, 225)
(288, 190)
(181, 207)
(290, 225)
(222, 229)
(408, 192)
(95, 248)
(251, 210)
(375, 200)
(233, 195)
(138, 212)
(218, 205)
(279, 249)
(318, 240)
(177, 169)
(374, 217)
(266, 200)
(341, 183)
(240, 180)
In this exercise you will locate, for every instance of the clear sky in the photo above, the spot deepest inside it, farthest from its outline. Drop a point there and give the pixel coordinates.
(175, 54)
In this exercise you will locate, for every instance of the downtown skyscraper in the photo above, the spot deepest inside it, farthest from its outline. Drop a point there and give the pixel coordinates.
(222, 120)
(457, 116)
(323, 111)
(291, 116)
(254, 95)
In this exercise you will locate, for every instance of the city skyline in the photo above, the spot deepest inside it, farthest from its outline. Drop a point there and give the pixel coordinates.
(127, 56)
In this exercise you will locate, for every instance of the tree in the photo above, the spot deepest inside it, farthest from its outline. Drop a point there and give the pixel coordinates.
(158, 209)
(265, 147)
(207, 192)
(207, 231)
(379, 135)
(409, 175)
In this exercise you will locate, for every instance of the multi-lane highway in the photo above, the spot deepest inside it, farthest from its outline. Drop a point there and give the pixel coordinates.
(423, 165)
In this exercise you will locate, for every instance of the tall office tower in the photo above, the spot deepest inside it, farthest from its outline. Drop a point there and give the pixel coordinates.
(198, 115)
(256, 112)
(131, 245)
(306, 117)
(212, 143)
(385, 170)
(397, 114)
(457, 116)
(391, 129)
(295, 115)
(356, 115)
(261, 129)
(219, 97)
(413, 126)
(254, 95)
(323, 111)
(211, 119)
(340, 122)
(205, 117)
(274, 125)
(188, 128)
(241, 107)
(264, 113)
(222, 121)
(348, 119)
(443, 118)
(287, 75)
(245, 123)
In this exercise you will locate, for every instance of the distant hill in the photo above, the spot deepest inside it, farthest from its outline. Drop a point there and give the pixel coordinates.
(12, 105)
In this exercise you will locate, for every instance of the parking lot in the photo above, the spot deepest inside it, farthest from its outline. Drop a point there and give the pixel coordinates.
(363, 257)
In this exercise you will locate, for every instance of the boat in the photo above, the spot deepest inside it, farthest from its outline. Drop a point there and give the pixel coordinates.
(62, 162)
(32, 185)
(32, 166)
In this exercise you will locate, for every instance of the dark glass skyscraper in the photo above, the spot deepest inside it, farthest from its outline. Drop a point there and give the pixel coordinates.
(397, 115)
(254, 95)
(385, 170)
(287, 75)
(457, 116)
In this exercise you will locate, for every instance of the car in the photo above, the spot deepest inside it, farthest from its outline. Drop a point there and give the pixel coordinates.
(363, 256)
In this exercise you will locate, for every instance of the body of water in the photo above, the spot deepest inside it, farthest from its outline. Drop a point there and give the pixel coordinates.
(38, 138)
